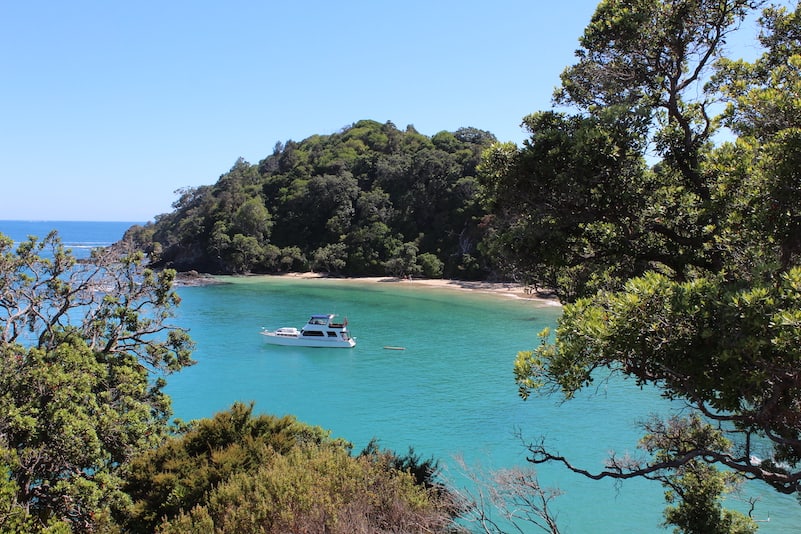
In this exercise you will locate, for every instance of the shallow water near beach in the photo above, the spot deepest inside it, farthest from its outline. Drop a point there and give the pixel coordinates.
(449, 394)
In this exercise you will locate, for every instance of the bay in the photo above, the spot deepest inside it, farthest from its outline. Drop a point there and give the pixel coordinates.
(450, 393)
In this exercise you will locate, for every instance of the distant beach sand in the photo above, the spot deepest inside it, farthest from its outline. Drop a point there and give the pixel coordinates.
(505, 289)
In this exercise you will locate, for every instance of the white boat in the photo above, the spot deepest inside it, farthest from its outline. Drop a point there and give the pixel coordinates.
(320, 331)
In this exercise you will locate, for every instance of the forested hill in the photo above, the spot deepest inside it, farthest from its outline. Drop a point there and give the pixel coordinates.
(368, 200)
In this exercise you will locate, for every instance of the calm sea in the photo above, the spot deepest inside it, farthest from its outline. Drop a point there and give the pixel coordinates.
(80, 236)
(449, 395)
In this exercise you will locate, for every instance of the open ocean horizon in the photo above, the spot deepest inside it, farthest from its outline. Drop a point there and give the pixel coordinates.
(80, 236)
(450, 394)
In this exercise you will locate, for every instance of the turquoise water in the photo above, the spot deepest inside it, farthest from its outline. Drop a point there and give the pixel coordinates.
(451, 392)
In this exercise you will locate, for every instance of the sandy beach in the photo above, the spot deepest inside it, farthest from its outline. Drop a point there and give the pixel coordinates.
(505, 289)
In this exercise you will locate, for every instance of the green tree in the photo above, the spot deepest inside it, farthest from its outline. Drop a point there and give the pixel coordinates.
(330, 208)
(685, 275)
(292, 259)
(179, 237)
(764, 110)
(84, 348)
(430, 265)
(695, 487)
(179, 474)
(244, 251)
(331, 258)
(373, 206)
(570, 208)
(316, 489)
(369, 246)
(325, 190)
(403, 262)
(220, 241)
(253, 219)
(239, 472)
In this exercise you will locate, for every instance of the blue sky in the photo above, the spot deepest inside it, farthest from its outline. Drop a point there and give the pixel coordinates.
(108, 107)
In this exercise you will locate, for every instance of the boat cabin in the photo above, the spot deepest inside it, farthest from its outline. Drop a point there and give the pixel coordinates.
(324, 326)
(321, 330)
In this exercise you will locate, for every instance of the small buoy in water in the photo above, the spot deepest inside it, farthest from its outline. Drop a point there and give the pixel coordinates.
(395, 348)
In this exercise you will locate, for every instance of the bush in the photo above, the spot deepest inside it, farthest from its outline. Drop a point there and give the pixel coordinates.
(243, 473)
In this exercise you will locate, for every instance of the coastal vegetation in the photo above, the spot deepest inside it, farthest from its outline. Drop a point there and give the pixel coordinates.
(238, 472)
(664, 209)
(84, 348)
(86, 444)
(682, 274)
(368, 200)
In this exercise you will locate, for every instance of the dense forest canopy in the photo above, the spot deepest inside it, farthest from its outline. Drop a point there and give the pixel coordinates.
(684, 275)
(368, 200)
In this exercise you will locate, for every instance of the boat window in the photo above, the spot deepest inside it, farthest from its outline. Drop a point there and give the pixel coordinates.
(313, 333)
(332, 334)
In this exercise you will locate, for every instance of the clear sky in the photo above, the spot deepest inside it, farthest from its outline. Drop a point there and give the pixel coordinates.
(106, 108)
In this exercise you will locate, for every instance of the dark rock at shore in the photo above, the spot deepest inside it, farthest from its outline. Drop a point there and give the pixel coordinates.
(194, 278)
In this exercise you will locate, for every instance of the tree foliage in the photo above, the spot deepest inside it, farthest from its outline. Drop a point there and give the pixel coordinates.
(84, 438)
(684, 274)
(238, 472)
(695, 487)
(569, 207)
(83, 348)
(355, 202)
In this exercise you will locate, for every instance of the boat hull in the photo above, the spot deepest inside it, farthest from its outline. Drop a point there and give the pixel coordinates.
(320, 331)
(273, 339)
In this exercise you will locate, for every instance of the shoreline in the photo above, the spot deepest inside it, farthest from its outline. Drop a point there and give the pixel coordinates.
(503, 289)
